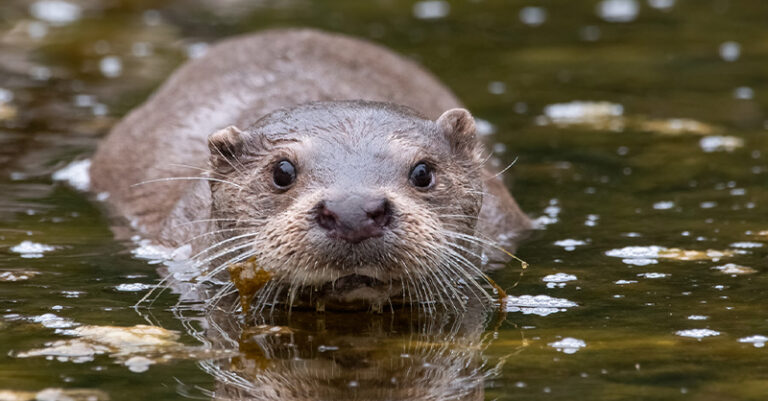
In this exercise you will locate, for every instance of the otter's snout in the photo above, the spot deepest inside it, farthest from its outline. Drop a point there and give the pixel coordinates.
(354, 218)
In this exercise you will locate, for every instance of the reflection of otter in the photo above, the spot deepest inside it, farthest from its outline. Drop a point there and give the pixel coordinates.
(310, 356)
(341, 202)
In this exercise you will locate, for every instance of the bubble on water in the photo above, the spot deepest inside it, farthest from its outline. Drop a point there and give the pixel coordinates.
(56, 12)
(757, 340)
(697, 333)
(497, 87)
(568, 345)
(29, 249)
(720, 143)
(652, 275)
(730, 51)
(138, 364)
(661, 4)
(484, 127)
(589, 33)
(744, 93)
(640, 261)
(558, 280)
(541, 305)
(431, 9)
(197, 50)
(747, 245)
(75, 174)
(132, 287)
(664, 205)
(6, 96)
(636, 252)
(698, 317)
(533, 16)
(111, 66)
(618, 10)
(570, 244)
(624, 282)
(141, 49)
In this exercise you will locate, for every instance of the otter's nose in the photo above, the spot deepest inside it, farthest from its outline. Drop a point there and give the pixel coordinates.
(354, 219)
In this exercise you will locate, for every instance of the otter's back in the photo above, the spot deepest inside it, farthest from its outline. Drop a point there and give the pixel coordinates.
(235, 83)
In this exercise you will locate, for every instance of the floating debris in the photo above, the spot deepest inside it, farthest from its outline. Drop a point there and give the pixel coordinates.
(249, 278)
(644, 255)
(568, 345)
(676, 126)
(136, 347)
(541, 305)
(17, 275)
(734, 269)
(54, 394)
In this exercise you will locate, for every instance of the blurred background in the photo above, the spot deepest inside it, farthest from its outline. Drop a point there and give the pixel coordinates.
(639, 131)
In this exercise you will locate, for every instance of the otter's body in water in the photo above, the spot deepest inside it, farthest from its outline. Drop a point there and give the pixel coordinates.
(346, 172)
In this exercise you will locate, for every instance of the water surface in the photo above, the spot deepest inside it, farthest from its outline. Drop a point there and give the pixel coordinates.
(641, 139)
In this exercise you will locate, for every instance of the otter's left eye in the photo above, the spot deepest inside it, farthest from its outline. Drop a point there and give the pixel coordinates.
(284, 174)
(422, 176)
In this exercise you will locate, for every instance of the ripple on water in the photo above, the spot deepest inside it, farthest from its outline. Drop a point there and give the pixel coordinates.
(568, 345)
(541, 305)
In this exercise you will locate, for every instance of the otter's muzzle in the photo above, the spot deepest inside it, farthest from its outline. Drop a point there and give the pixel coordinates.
(354, 218)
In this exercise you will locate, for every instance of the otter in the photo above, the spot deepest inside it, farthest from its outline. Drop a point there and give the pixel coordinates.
(346, 172)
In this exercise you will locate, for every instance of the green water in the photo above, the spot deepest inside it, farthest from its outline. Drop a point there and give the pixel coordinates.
(607, 183)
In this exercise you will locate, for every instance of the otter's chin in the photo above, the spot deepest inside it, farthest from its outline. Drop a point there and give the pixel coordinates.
(352, 292)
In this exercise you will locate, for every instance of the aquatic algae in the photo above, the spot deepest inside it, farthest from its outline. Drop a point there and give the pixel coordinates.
(248, 278)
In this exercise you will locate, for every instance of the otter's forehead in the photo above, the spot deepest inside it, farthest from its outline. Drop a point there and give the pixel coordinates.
(346, 122)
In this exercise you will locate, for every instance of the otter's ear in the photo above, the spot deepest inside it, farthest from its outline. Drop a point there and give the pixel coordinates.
(225, 145)
(459, 128)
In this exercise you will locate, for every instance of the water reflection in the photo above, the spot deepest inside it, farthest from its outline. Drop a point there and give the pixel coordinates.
(405, 355)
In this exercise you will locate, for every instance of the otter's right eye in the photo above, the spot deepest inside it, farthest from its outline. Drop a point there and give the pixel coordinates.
(284, 174)
(422, 176)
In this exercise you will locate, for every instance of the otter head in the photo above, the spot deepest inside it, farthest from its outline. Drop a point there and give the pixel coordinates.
(351, 204)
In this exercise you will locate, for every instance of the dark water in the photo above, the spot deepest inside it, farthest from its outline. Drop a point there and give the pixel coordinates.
(666, 151)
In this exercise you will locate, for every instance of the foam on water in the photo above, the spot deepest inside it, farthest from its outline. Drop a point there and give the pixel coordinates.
(568, 345)
(758, 341)
(697, 333)
(541, 305)
(29, 249)
(75, 174)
